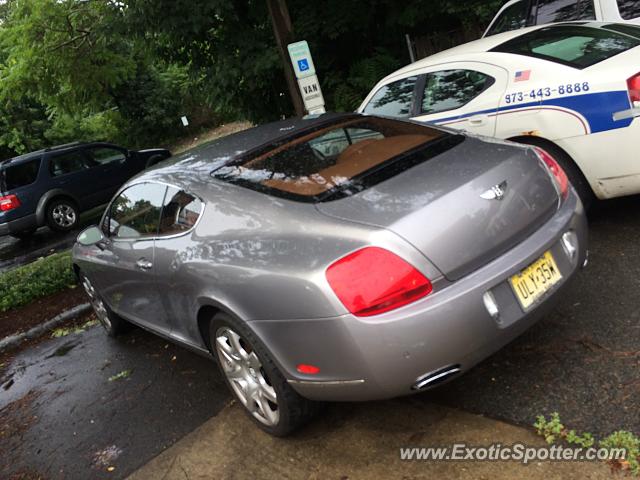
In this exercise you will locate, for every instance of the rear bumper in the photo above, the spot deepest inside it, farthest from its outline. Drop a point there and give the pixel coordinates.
(28, 222)
(384, 356)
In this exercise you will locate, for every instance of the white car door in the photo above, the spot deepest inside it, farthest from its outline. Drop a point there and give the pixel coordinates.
(461, 95)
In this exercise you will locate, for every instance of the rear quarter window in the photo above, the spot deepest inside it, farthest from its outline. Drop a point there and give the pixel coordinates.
(394, 99)
(572, 45)
(21, 175)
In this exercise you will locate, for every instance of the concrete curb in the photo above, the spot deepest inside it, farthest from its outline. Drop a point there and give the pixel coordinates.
(13, 340)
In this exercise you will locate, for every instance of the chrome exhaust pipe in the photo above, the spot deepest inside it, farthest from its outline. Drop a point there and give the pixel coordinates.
(434, 378)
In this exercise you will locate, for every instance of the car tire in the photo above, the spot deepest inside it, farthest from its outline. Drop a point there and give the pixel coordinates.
(255, 367)
(62, 215)
(112, 323)
(576, 177)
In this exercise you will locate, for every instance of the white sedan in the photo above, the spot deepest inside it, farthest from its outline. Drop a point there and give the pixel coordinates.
(572, 89)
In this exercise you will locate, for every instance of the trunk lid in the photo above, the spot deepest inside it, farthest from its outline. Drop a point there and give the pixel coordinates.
(449, 207)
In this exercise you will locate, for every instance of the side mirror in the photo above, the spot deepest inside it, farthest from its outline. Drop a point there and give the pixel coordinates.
(91, 236)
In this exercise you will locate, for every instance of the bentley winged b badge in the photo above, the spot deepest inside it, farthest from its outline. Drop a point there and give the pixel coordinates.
(496, 192)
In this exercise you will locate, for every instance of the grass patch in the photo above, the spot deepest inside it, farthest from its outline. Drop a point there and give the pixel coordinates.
(43, 277)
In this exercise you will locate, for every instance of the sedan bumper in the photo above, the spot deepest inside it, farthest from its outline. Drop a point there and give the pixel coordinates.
(450, 330)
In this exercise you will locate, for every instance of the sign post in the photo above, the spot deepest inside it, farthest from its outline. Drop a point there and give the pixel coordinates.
(305, 72)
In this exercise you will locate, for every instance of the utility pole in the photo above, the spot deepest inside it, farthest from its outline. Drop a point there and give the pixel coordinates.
(283, 31)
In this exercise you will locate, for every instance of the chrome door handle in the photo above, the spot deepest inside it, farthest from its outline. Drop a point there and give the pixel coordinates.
(144, 264)
(477, 121)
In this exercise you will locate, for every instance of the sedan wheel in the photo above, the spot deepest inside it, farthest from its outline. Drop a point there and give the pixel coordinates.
(247, 377)
(113, 324)
(98, 305)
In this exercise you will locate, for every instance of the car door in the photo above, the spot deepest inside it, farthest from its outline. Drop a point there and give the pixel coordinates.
(461, 95)
(110, 165)
(71, 172)
(180, 213)
(124, 270)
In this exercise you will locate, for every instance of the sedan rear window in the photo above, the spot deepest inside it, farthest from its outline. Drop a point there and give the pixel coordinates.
(20, 175)
(573, 45)
(338, 159)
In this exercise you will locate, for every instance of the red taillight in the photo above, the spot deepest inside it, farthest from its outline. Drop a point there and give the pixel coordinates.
(634, 89)
(9, 202)
(373, 281)
(556, 170)
(308, 369)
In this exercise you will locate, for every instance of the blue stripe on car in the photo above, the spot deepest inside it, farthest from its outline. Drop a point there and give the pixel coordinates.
(597, 108)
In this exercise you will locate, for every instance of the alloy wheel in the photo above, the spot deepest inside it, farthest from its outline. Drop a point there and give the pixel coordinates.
(96, 302)
(64, 215)
(247, 377)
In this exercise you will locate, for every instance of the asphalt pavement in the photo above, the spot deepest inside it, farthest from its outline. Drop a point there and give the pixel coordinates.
(581, 361)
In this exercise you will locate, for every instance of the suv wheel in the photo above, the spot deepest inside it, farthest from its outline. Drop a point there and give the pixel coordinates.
(62, 215)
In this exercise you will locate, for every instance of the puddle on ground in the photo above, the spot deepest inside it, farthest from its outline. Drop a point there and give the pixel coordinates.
(62, 350)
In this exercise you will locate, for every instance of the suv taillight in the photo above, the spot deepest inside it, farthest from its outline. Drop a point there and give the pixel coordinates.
(9, 202)
(633, 84)
(556, 170)
(372, 281)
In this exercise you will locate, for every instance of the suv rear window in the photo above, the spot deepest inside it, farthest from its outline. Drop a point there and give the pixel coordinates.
(20, 175)
(573, 45)
(335, 160)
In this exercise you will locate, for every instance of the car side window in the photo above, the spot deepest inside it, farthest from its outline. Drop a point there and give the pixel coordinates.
(512, 18)
(629, 9)
(394, 99)
(66, 163)
(180, 212)
(135, 212)
(550, 11)
(105, 156)
(452, 89)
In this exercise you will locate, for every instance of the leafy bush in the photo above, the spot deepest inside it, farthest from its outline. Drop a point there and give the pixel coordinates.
(43, 277)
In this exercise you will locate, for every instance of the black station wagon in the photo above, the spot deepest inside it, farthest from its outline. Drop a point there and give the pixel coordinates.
(53, 186)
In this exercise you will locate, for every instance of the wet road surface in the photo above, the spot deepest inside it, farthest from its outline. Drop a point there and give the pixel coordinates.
(581, 360)
(14, 252)
(69, 421)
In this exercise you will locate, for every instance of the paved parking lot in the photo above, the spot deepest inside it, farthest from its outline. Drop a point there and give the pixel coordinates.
(582, 361)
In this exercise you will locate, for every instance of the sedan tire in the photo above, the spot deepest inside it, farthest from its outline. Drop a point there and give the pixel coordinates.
(254, 379)
(112, 323)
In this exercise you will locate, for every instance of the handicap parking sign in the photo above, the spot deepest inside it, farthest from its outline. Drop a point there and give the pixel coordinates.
(301, 60)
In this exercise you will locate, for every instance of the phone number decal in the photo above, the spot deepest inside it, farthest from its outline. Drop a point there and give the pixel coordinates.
(546, 92)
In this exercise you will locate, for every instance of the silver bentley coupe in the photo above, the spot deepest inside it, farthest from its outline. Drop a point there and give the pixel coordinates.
(339, 257)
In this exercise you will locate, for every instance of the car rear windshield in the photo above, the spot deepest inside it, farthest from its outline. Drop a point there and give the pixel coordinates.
(573, 45)
(336, 160)
(19, 175)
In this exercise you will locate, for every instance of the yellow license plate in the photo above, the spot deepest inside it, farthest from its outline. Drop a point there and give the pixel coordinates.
(535, 280)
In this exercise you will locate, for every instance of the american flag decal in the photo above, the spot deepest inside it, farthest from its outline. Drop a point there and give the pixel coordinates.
(523, 75)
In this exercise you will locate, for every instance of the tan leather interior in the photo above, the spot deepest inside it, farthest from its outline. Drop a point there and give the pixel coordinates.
(354, 160)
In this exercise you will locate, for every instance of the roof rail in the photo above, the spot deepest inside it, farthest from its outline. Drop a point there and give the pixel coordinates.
(60, 147)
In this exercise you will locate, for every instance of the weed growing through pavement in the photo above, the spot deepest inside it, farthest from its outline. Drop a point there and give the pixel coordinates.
(553, 431)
